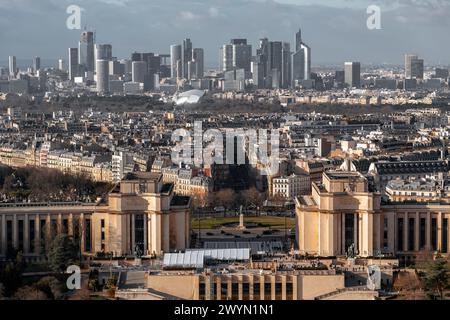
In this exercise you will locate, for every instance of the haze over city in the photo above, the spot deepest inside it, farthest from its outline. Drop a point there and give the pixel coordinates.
(335, 30)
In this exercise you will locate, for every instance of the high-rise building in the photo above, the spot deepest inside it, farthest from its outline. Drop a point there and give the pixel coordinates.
(103, 52)
(36, 64)
(413, 67)
(262, 58)
(102, 67)
(352, 74)
(275, 62)
(301, 60)
(236, 55)
(73, 63)
(153, 67)
(175, 55)
(286, 73)
(61, 66)
(86, 57)
(242, 54)
(139, 71)
(227, 57)
(186, 56)
(12, 66)
(258, 73)
(198, 58)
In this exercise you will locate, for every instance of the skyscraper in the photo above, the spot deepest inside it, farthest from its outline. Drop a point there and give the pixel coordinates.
(237, 55)
(86, 57)
(242, 54)
(286, 74)
(186, 56)
(139, 71)
(413, 67)
(73, 63)
(262, 58)
(102, 67)
(301, 59)
(352, 74)
(198, 58)
(12, 66)
(276, 62)
(175, 55)
(103, 52)
(36, 64)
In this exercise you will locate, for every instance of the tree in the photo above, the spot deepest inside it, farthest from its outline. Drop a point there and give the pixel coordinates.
(30, 293)
(63, 253)
(226, 198)
(437, 276)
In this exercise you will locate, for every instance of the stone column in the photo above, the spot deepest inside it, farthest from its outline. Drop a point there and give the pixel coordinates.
(240, 287)
(82, 231)
(70, 225)
(219, 287)
(439, 232)
(15, 232)
(59, 224)
(283, 287)
(261, 287)
(37, 234)
(272, 287)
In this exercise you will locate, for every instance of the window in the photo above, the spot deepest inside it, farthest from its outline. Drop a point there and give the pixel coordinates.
(422, 237)
(411, 233)
(400, 234)
(444, 241)
(434, 233)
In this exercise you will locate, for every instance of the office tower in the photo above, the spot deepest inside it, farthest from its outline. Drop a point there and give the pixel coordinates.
(102, 67)
(36, 64)
(103, 52)
(242, 54)
(73, 63)
(186, 56)
(275, 62)
(153, 64)
(227, 57)
(413, 67)
(262, 57)
(286, 74)
(352, 74)
(86, 57)
(116, 68)
(139, 71)
(198, 58)
(61, 66)
(12, 66)
(258, 73)
(175, 55)
(301, 60)
(179, 69)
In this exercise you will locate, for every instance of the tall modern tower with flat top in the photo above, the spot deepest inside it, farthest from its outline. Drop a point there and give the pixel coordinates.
(86, 57)
(102, 67)
(413, 67)
(73, 63)
(175, 56)
(187, 56)
(352, 72)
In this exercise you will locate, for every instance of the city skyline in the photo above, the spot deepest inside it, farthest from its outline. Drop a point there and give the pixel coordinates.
(201, 23)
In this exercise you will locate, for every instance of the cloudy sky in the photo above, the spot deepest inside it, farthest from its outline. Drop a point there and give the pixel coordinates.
(335, 29)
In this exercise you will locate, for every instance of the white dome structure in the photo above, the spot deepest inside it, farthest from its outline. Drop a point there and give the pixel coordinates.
(188, 97)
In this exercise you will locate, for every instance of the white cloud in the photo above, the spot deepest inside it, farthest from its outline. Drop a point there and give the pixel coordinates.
(188, 15)
(213, 12)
